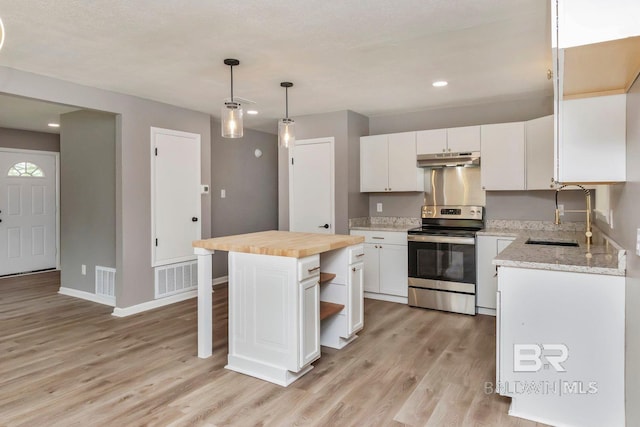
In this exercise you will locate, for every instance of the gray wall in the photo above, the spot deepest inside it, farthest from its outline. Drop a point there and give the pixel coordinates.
(29, 140)
(494, 112)
(346, 127)
(251, 185)
(87, 196)
(134, 278)
(625, 201)
(536, 205)
(408, 204)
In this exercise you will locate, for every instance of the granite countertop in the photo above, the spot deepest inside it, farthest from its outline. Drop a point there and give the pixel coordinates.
(384, 223)
(279, 243)
(603, 256)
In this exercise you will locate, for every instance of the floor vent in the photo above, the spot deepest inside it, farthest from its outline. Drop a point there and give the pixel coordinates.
(106, 282)
(176, 278)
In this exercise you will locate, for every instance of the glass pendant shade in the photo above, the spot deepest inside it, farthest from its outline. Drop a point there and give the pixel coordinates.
(286, 132)
(231, 120)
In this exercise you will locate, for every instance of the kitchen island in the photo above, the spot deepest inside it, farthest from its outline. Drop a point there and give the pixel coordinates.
(289, 293)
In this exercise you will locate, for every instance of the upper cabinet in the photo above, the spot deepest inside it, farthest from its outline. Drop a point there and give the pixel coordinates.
(539, 153)
(452, 140)
(596, 50)
(503, 156)
(388, 163)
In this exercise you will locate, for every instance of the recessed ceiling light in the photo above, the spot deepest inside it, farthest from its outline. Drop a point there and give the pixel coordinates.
(1, 33)
(252, 112)
(440, 83)
(54, 125)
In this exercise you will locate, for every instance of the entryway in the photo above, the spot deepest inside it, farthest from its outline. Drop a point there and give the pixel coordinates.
(28, 211)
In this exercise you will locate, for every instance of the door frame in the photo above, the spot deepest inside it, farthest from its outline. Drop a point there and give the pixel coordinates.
(331, 140)
(153, 132)
(56, 155)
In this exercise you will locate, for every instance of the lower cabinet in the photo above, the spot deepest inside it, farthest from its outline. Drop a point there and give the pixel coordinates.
(487, 274)
(386, 264)
(309, 322)
(344, 292)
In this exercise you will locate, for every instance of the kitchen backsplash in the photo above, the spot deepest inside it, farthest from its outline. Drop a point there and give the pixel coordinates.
(390, 221)
(509, 205)
(534, 225)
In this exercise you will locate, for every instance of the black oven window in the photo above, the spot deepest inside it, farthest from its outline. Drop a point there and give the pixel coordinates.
(446, 262)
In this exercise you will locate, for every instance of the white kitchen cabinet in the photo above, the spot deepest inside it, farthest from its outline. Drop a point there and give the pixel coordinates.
(386, 265)
(503, 156)
(574, 319)
(463, 139)
(539, 155)
(431, 141)
(592, 139)
(486, 273)
(346, 288)
(309, 322)
(452, 140)
(388, 163)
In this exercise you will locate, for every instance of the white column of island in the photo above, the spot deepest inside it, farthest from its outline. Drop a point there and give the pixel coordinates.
(289, 293)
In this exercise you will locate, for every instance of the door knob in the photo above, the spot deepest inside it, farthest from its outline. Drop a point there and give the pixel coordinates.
(194, 219)
(324, 226)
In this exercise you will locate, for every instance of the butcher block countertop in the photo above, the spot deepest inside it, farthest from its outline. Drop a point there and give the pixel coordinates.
(279, 243)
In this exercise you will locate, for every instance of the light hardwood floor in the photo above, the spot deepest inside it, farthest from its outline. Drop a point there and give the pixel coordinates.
(65, 361)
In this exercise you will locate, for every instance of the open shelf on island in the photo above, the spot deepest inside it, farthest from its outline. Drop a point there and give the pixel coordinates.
(326, 277)
(328, 309)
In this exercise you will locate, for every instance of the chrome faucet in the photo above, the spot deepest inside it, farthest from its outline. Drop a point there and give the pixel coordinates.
(587, 193)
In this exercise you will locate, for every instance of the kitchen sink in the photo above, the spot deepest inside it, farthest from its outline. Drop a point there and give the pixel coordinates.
(570, 243)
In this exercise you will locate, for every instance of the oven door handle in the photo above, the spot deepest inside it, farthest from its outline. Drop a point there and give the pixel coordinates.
(442, 239)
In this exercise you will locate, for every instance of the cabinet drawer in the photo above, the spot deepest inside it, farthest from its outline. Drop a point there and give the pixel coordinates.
(308, 267)
(356, 254)
(389, 237)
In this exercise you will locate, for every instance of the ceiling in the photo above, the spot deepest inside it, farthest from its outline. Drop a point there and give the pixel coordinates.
(29, 114)
(376, 57)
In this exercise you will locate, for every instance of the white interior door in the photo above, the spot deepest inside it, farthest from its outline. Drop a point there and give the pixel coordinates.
(176, 201)
(311, 186)
(28, 235)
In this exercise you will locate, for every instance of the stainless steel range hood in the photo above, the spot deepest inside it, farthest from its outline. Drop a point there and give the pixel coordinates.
(469, 158)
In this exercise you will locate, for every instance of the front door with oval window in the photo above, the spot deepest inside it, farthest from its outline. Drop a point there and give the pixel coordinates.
(27, 211)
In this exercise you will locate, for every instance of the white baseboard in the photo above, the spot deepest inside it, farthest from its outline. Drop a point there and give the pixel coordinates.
(385, 297)
(220, 280)
(157, 303)
(161, 302)
(487, 311)
(100, 299)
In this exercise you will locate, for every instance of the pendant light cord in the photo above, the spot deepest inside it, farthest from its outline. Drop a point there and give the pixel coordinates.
(286, 102)
(231, 82)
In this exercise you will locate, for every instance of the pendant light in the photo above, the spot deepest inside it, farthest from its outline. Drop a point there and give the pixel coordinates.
(231, 111)
(286, 126)
(1, 33)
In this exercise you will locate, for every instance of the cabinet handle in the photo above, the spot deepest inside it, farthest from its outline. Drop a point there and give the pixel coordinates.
(353, 269)
(378, 238)
(359, 255)
(313, 269)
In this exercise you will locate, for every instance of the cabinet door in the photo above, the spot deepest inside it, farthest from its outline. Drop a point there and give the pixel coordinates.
(463, 139)
(502, 156)
(487, 274)
(404, 175)
(431, 141)
(374, 163)
(371, 268)
(309, 322)
(593, 139)
(394, 269)
(355, 298)
(539, 142)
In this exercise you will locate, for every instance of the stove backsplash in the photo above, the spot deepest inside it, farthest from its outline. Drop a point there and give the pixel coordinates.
(453, 186)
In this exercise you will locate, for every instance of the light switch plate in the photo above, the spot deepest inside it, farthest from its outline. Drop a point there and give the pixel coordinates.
(561, 209)
(378, 207)
(638, 242)
(223, 193)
